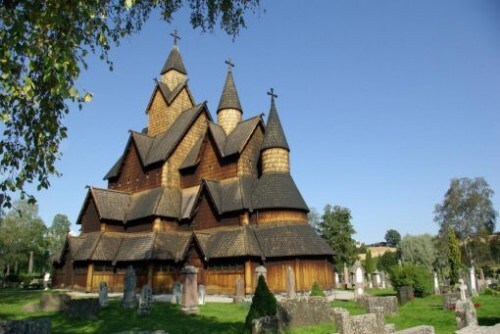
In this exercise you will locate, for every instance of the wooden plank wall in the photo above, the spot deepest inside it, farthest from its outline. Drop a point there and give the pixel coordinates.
(222, 281)
(90, 219)
(307, 271)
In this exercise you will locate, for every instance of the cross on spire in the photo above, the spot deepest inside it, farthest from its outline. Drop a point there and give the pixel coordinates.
(230, 64)
(271, 93)
(175, 36)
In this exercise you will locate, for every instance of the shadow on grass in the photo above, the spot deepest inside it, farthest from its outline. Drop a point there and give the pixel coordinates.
(488, 321)
(164, 316)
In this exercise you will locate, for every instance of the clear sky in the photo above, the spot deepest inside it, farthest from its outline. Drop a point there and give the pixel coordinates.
(382, 102)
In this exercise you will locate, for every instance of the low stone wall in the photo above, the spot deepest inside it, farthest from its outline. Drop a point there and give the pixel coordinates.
(474, 329)
(86, 308)
(389, 304)
(304, 311)
(417, 330)
(26, 326)
(53, 303)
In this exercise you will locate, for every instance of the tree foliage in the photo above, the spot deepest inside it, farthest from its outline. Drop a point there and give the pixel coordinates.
(43, 49)
(387, 260)
(454, 257)
(392, 237)
(57, 234)
(467, 208)
(370, 264)
(22, 231)
(418, 249)
(416, 276)
(313, 218)
(336, 228)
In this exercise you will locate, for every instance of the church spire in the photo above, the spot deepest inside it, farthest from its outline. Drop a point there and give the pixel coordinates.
(229, 112)
(173, 71)
(275, 153)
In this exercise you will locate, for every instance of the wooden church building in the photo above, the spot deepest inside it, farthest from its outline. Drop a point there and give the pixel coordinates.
(189, 190)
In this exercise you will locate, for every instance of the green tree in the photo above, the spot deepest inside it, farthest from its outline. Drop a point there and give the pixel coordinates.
(43, 49)
(22, 231)
(467, 208)
(392, 237)
(263, 304)
(418, 249)
(454, 257)
(416, 276)
(387, 260)
(57, 234)
(336, 228)
(313, 218)
(370, 264)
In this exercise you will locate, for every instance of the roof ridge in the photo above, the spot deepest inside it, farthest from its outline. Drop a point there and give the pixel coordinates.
(274, 136)
(174, 62)
(229, 97)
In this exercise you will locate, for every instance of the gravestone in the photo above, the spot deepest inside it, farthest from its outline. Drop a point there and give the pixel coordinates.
(176, 293)
(129, 297)
(260, 271)
(201, 294)
(463, 288)
(436, 284)
(383, 283)
(290, 282)
(346, 277)
(103, 294)
(405, 294)
(145, 300)
(190, 290)
(359, 279)
(376, 279)
(465, 313)
(240, 290)
(450, 299)
(337, 282)
(472, 281)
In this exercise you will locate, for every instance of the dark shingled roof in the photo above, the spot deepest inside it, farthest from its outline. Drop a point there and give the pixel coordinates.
(169, 95)
(237, 139)
(193, 158)
(232, 194)
(229, 98)
(171, 246)
(290, 240)
(275, 136)
(232, 242)
(174, 62)
(107, 248)
(135, 247)
(277, 190)
(86, 246)
(155, 149)
(110, 204)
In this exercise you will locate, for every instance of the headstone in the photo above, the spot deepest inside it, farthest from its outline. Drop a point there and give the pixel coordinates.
(463, 288)
(260, 271)
(359, 279)
(46, 281)
(346, 276)
(465, 313)
(449, 300)
(103, 294)
(383, 283)
(201, 294)
(376, 279)
(240, 289)
(129, 297)
(436, 284)
(337, 282)
(290, 282)
(176, 293)
(472, 281)
(145, 300)
(190, 290)
(405, 294)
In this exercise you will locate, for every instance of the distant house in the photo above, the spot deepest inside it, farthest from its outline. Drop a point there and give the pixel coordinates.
(188, 190)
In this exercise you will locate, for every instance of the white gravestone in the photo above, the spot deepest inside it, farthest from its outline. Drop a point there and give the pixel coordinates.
(436, 284)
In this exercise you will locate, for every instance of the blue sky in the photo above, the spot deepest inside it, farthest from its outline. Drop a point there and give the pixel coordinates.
(382, 102)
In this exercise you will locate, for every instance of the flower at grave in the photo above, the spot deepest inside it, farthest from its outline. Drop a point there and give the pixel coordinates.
(477, 305)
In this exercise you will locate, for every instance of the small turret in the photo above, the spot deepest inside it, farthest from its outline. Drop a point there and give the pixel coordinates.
(274, 150)
(173, 72)
(229, 112)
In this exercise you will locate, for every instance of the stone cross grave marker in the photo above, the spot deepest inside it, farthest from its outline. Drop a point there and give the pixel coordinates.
(462, 288)
(290, 282)
(190, 290)
(129, 298)
(145, 300)
(103, 294)
(260, 271)
(472, 281)
(201, 294)
(359, 279)
(176, 293)
(240, 289)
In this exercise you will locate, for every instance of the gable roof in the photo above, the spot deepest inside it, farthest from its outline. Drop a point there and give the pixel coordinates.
(170, 95)
(156, 149)
(174, 62)
(275, 136)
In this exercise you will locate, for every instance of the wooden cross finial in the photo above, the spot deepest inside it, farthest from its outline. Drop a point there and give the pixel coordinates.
(155, 79)
(271, 93)
(175, 36)
(230, 64)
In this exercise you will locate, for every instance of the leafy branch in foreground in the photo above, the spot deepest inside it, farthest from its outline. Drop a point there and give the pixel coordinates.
(43, 47)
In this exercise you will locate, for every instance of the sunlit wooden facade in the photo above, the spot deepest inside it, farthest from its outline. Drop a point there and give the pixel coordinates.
(188, 190)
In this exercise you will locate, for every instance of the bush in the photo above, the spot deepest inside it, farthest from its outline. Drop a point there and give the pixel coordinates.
(489, 292)
(416, 276)
(316, 290)
(263, 304)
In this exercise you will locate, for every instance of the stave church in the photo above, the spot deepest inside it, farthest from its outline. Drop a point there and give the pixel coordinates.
(188, 190)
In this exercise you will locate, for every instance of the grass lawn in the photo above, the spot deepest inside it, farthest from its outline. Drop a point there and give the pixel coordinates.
(229, 318)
